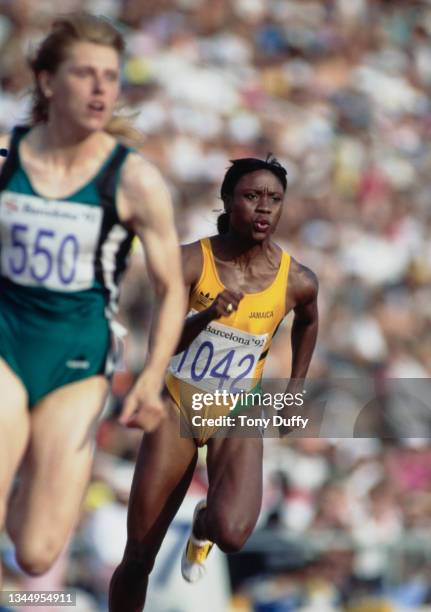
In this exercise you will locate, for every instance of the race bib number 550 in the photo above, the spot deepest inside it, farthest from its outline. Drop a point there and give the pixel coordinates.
(221, 357)
(48, 243)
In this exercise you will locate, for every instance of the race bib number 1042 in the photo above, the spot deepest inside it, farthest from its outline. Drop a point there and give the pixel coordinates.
(221, 357)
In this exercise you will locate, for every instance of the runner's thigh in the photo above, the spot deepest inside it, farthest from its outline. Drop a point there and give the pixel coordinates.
(56, 468)
(162, 476)
(14, 430)
(235, 490)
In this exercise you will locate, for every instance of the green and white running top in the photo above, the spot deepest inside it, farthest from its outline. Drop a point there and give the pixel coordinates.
(62, 257)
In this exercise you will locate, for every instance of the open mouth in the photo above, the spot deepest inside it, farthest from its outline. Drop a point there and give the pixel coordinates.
(261, 225)
(96, 107)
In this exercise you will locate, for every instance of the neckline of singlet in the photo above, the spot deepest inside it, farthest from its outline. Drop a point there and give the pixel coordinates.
(75, 193)
(207, 242)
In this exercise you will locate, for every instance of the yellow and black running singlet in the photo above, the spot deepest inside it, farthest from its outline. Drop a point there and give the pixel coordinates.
(229, 354)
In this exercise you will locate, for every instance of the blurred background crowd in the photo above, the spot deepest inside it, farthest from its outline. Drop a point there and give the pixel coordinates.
(338, 91)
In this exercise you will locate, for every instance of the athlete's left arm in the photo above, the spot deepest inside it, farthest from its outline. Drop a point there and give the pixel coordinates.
(303, 289)
(302, 298)
(145, 205)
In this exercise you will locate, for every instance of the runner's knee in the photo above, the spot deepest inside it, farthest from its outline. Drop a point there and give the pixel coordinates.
(139, 557)
(38, 555)
(230, 534)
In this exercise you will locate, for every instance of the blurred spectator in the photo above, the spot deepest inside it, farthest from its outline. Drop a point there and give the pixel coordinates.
(339, 91)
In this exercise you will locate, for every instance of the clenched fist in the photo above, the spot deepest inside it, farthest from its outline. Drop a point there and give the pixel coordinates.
(225, 303)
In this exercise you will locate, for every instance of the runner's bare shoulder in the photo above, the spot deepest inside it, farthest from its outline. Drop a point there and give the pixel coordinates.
(192, 261)
(303, 283)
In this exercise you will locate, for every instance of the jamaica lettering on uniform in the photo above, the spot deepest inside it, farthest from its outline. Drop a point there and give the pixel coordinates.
(261, 315)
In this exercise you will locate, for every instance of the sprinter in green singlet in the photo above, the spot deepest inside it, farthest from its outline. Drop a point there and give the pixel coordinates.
(72, 197)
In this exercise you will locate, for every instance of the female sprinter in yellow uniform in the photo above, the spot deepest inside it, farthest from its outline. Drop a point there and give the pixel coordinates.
(71, 198)
(241, 285)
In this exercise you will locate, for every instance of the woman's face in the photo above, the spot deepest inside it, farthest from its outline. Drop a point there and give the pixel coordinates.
(256, 204)
(85, 87)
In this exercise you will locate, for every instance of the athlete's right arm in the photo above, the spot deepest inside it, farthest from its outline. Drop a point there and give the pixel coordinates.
(144, 204)
(224, 304)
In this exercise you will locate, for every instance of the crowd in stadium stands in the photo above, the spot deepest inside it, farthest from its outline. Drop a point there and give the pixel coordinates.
(339, 91)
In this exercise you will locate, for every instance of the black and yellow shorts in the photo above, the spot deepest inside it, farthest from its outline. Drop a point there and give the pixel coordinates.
(207, 420)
